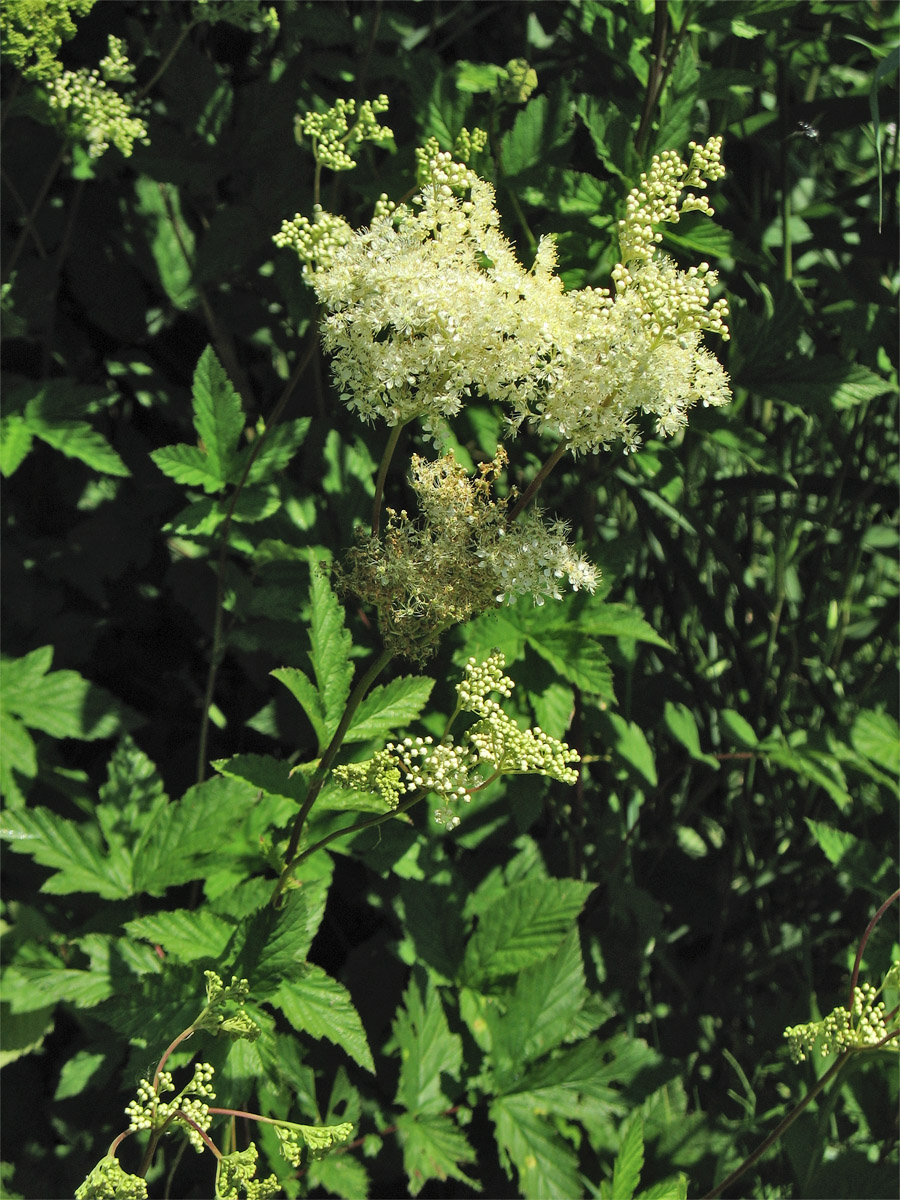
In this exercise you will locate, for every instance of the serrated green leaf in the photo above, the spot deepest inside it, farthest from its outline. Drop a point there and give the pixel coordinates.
(434, 922)
(524, 145)
(275, 943)
(19, 754)
(279, 446)
(866, 865)
(218, 415)
(629, 1161)
(64, 704)
(187, 465)
(262, 771)
(23, 1032)
(824, 382)
(876, 736)
(176, 847)
(681, 724)
(575, 658)
(390, 707)
(673, 1188)
(77, 439)
(304, 691)
(319, 1006)
(185, 934)
(341, 1175)
(618, 620)
(527, 924)
(428, 1050)
(546, 1165)
(77, 1074)
(330, 648)
(72, 849)
(539, 1014)
(15, 443)
(433, 1148)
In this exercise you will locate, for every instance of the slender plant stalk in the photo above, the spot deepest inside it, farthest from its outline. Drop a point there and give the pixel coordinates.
(782, 1127)
(389, 449)
(35, 208)
(219, 618)
(854, 975)
(325, 764)
(534, 487)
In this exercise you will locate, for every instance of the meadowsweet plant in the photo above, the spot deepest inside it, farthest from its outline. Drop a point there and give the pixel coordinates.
(189, 1112)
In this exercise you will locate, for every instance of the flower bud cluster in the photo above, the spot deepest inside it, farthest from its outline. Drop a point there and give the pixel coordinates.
(235, 1175)
(450, 771)
(865, 1025)
(89, 108)
(299, 1143)
(315, 241)
(109, 1181)
(334, 139)
(147, 1111)
(655, 201)
(33, 33)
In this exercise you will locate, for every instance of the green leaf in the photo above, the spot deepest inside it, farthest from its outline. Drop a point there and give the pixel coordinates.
(19, 754)
(428, 1050)
(173, 248)
(576, 658)
(187, 465)
(274, 944)
(218, 415)
(75, 439)
(24, 1032)
(866, 865)
(876, 736)
(15, 443)
(620, 621)
(390, 707)
(262, 771)
(679, 721)
(738, 728)
(629, 1160)
(279, 446)
(540, 1013)
(304, 691)
(72, 849)
(433, 1148)
(547, 1166)
(185, 934)
(433, 920)
(319, 1006)
(330, 648)
(825, 382)
(61, 703)
(526, 925)
(631, 744)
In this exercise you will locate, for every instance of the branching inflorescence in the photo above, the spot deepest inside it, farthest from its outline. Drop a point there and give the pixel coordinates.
(429, 308)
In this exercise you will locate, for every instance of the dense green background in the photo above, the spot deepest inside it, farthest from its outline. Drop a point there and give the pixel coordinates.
(761, 547)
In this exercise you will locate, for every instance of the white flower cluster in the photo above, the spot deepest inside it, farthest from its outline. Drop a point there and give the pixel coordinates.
(863, 1026)
(458, 558)
(451, 771)
(430, 306)
(91, 109)
(147, 1111)
(531, 558)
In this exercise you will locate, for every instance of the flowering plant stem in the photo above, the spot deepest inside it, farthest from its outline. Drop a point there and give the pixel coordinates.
(782, 1127)
(325, 764)
(389, 449)
(534, 487)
